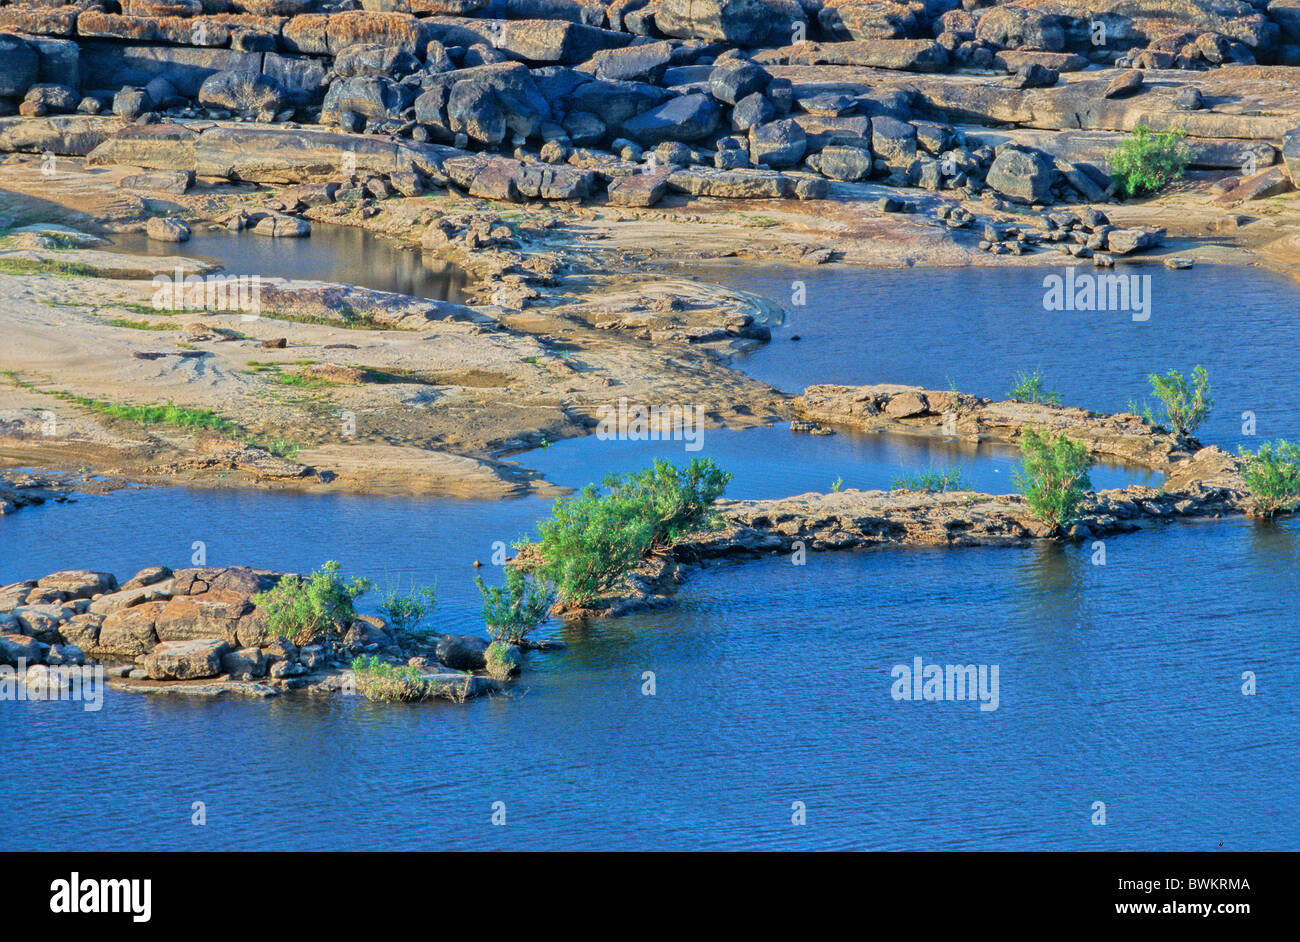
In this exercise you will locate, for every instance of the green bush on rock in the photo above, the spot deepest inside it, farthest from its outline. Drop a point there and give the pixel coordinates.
(1272, 475)
(1186, 405)
(1145, 162)
(511, 612)
(387, 683)
(1054, 477)
(595, 538)
(406, 611)
(1029, 388)
(304, 609)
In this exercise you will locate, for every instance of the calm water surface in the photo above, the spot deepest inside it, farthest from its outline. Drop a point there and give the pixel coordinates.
(1119, 683)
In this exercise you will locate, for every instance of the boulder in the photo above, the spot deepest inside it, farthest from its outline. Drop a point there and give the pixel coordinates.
(778, 144)
(213, 614)
(462, 652)
(1013, 27)
(167, 229)
(244, 663)
(49, 99)
(473, 109)
(22, 66)
(186, 660)
(42, 621)
(79, 583)
(503, 660)
(639, 189)
(893, 141)
(733, 184)
(642, 63)
(1126, 83)
(1291, 155)
(739, 22)
(1127, 241)
(375, 97)
(1021, 175)
(750, 111)
(842, 162)
(735, 79)
(251, 95)
(374, 59)
(870, 19)
(15, 647)
(130, 632)
(684, 118)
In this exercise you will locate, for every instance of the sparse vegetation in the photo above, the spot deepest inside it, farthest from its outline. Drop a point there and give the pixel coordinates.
(595, 538)
(1186, 405)
(1029, 387)
(140, 325)
(406, 611)
(1054, 477)
(1145, 161)
(1272, 475)
(304, 609)
(949, 479)
(512, 611)
(31, 266)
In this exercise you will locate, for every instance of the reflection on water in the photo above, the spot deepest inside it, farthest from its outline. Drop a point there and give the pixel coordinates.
(1118, 683)
(331, 253)
(770, 462)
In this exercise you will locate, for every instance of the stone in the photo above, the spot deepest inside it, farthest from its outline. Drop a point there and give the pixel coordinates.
(130, 103)
(893, 141)
(842, 162)
(1013, 27)
(252, 95)
(739, 22)
(375, 59)
(684, 118)
(1127, 241)
(21, 66)
(639, 189)
(130, 631)
(243, 663)
(167, 229)
(778, 144)
(186, 660)
(70, 654)
(79, 583)
(213, 614)
(751, 111)
(503, 660)
(462, 652)
(374, 97)
(49, 99)
(42, 621)
(82, 630)
(1021, 175)
(1291, 155)
(1126, 83)
(281, 226)
(734, 80)
(15, 647)
(171, 182)
(641, 63)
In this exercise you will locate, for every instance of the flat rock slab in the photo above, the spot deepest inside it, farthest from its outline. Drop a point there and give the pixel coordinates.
(186, 660)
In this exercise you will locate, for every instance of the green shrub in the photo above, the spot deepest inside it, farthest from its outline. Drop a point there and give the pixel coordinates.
(1054, 477)
(405, 611)
(510, 613)
(502, 659)
(1186, 406)
(1272, 474)
(595, 538)
(930, 481)
(302, 610)
(1146, 161)
(388, 683)
(1029, 388)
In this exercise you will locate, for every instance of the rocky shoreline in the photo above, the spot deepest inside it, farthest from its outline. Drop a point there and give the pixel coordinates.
(198, 632)
(1201, 482)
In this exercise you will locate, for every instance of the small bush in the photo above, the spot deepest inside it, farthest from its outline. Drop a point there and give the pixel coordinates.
(1185, 405)
(406, 611)
(1272, 475)
(1054, 477)
(502, 660)
(595, 538)
(1029, 388)
(510, 613)
(387, 683)
(930, 481)
(1146, 162)
(304, 609)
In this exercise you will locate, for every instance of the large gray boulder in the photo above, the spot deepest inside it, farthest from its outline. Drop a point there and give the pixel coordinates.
(684, 118)
(778, 144)
(462, 652)
(731, 81)
(1013, 27)
(186, 660)
(844, 162)
(376, 60)
(643, 63)
(1291, 155)
(893, 141)
(21, 67)
(245, 93)
(373, 97)
(740, 22)
(1021, 175)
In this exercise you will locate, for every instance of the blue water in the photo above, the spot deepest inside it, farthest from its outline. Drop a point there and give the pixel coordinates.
(975, 328)
(771, 461)
(1119, 683)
